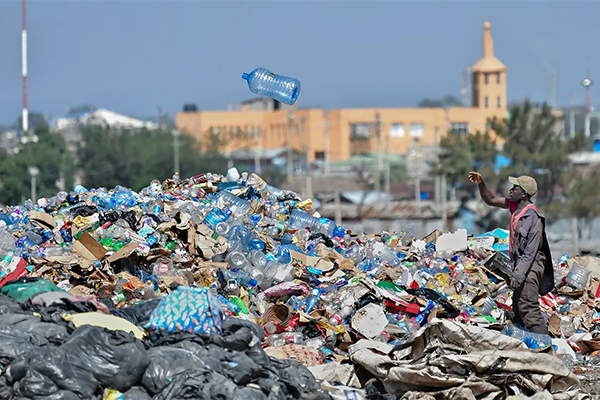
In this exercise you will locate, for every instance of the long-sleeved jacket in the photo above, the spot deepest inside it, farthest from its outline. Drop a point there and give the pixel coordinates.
(530, 246)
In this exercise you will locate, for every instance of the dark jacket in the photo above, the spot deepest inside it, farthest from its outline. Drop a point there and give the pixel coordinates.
(530, 246)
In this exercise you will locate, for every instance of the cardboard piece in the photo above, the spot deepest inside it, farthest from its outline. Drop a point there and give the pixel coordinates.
(303, 259)
(43, 219)
(432, 237)
(89, 248)
(123, 252)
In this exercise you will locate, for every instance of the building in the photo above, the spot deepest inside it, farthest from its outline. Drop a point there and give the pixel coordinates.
(338, 134)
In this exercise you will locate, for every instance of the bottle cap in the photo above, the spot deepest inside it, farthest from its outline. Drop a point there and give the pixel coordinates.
(253, 282)
(245, 76)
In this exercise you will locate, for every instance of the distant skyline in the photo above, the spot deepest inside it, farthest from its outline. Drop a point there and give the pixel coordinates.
(135, 56)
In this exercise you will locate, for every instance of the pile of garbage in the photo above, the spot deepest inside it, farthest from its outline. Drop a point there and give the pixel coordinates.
(224, 286)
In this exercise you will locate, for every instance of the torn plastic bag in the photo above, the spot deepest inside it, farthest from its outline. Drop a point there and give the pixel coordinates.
(54, 312)
(166, 363)
(137, 314)
(93, 357)
(23, 288)
(449, 310)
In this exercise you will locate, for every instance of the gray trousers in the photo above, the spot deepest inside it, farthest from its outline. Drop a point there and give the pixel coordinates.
(526, 301)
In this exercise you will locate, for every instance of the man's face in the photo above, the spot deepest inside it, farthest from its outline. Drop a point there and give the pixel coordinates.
(517, 193)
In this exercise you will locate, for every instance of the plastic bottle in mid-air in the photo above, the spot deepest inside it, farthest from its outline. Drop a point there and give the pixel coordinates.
(265, 83)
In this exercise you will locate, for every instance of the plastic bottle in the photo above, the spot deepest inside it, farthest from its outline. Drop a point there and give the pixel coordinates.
(258, 259)
(339, 316)
(578, 276)
(284, 338)
(263, 82)
(149, 292)
(312, 299)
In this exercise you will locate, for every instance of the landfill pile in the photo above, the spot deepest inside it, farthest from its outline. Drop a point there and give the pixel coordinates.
(226, 287)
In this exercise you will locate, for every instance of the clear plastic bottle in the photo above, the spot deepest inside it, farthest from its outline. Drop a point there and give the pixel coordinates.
(578, 276)
(263, 82)
(281, 339)
(339, 316)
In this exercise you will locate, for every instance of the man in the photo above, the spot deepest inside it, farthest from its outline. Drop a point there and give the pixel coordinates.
(533, 273)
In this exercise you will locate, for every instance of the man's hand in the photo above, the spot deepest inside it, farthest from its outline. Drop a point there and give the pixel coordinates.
(475, 177)
(514, 284)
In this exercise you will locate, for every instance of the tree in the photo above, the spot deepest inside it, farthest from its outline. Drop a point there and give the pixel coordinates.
(460, 154)
(49, 154)
(534, 147)
(583, 196)
(110, 157)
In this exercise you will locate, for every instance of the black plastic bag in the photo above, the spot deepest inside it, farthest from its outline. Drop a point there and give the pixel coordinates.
(92, 358)
(202, 385)
(136, 393)
(54, 312)
(241, 369)
(21, 334)
(299, 381)
(137, 314)
(36, 386)
(8, 305)
(165, 364)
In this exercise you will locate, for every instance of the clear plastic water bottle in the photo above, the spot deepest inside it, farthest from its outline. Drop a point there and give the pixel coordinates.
(265, 83)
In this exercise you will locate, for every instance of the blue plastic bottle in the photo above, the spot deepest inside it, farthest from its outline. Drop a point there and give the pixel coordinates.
(265, 83)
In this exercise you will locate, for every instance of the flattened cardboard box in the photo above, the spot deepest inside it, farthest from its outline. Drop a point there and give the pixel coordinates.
(88, 247)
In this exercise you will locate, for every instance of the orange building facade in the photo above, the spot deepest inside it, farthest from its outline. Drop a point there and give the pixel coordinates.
(342, 133)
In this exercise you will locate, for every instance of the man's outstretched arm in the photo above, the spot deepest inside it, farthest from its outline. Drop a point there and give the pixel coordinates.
(487, 195)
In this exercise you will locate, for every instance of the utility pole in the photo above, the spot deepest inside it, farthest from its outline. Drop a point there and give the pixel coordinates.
(379, 155)
(255, 135)
(388, 190)
(575, 233)
(326, 129)
(587, 82)
(305, 148)
(290, 147)
(553, 88)
(176, 135)
(25, 117)
(571, 117)
(338, 210)
(34, 172)
(444, 194)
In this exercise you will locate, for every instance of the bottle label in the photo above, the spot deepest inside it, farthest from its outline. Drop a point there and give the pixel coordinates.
(271, 75)
(289, 337)
(338, 318)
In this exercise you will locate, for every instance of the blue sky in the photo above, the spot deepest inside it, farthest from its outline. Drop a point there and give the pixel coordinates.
(133, 56)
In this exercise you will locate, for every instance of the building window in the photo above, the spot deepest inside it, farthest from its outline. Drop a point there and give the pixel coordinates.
(486, 78)
(487, 102)
(499, 102)
(487, 126)
(360, 131)
(397, 130)
(460, 128)
(498, 77)
(417, 129)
